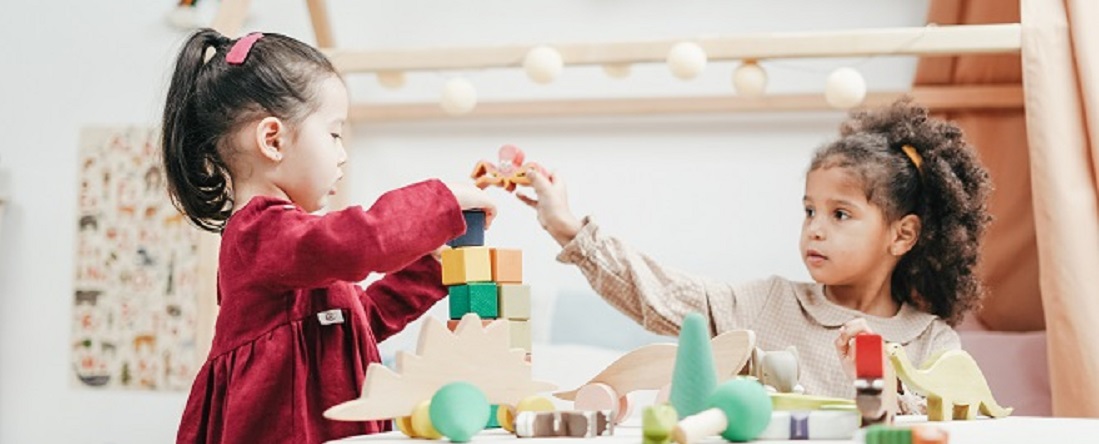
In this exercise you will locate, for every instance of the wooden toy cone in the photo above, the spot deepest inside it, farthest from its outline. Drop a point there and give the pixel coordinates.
(694, 377)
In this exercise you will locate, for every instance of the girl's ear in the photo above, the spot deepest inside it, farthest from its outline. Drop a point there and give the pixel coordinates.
(270, 133)
(906, 232)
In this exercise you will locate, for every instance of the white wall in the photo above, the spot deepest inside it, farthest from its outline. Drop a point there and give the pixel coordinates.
(713, 194)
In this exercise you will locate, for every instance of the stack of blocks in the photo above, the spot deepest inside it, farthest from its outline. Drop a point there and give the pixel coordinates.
(488, 282)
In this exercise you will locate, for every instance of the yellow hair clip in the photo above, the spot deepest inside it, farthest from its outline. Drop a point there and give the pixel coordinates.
(910, 151)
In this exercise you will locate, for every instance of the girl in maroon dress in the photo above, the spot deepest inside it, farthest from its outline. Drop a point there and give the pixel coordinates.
(252, 148)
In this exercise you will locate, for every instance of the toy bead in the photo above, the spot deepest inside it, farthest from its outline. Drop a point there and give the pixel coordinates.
(421, 422)
(459, 97)
(391, 79)
(617, 70)
(686, 60)
(543, 64)
(739, 410)
(749, 80)
(845, 88)
(459, 410)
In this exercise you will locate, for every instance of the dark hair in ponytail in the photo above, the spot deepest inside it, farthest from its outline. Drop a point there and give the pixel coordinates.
(209, 99)
(948, 192)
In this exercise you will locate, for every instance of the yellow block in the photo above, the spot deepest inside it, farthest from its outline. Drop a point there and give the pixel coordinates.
(507, 266)
(464, 265)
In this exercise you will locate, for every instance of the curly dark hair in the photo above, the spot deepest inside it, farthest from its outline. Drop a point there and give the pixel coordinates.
(949, 194)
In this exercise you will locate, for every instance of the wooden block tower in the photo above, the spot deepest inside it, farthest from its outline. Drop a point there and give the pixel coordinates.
(487, 281)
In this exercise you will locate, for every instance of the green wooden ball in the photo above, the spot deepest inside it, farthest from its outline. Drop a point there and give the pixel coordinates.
(747, 407)
(459, 410)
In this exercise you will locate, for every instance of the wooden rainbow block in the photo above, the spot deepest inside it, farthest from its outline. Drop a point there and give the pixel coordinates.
(474, 297)
(514, 301)
(507, 265)
(520, 334)
(464, 265)
(475, 230)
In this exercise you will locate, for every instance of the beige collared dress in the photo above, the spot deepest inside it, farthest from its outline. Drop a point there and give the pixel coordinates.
(781, 312)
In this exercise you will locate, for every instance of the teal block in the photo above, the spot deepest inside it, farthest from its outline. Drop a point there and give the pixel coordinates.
(474, 297)
(458, 301)
(492, 422)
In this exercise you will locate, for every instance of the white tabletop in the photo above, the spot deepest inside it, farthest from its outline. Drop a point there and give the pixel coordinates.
(1021, 430)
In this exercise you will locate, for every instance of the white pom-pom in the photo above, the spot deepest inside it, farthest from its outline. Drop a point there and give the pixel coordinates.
(686, 60)
(459, 97)
(750, 80)
(543, 64)
(184, 17)
(391, 79)
(845, 88)
(617, 70)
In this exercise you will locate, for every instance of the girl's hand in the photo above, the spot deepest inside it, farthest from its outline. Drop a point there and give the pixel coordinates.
(438, 253)
(552, 205)
(845, 344)
(473, 198)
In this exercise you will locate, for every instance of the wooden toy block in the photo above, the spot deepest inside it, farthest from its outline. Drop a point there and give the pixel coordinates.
(922, 434)
(472, 353)
(514, 301)
(475, 230)
(602, 397)
(952, 382)
(453, 324)
(573, 424)
(507, 265)
(868, 360)
(475, 297)
(813, 425)
(465, 265)
(802, 402)
(520, 334)
(875, 384)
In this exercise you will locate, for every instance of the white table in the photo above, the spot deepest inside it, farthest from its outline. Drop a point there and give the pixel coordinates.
(1021, 430)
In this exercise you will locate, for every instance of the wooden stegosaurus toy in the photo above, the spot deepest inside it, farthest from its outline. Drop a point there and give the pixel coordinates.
(952, 382)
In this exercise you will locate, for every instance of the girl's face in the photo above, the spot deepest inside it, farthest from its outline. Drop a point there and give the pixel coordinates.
(313, 162)
(845, 239)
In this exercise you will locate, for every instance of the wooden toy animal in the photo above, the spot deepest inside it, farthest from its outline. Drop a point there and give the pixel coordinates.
(952, 382)
(777, 370)
(510, 172)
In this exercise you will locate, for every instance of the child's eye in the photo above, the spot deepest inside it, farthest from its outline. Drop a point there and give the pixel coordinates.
(842, 215)
(809, 212)
(336, 136)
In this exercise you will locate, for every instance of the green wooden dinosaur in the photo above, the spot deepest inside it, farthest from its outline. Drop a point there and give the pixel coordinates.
(952, 382)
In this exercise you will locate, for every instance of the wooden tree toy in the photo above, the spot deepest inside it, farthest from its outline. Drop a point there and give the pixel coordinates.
(650, 368)
(875, 385)
(952, 382)
(509, 172)
(474, 354)
(695, 376)
(739, 410)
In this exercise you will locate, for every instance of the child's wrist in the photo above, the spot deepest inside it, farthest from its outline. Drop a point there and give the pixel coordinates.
(564, 229)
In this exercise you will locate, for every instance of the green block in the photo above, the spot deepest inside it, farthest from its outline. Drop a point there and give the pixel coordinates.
(474, 297)
(458, 301)
(493, 423)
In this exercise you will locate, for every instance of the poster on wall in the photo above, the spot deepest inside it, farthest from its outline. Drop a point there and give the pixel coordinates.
(135, 292)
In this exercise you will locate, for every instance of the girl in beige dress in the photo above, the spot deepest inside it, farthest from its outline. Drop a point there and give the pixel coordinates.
(894, 213)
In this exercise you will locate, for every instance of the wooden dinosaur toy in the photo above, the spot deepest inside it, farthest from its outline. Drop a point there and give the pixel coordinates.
(952, 382)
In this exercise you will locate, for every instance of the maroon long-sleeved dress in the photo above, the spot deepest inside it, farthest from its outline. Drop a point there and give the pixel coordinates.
(295, 333)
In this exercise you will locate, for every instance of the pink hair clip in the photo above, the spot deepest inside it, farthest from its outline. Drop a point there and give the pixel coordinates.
(241, 48)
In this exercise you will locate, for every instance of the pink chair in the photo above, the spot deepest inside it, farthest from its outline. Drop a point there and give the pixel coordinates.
(1014, 364)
